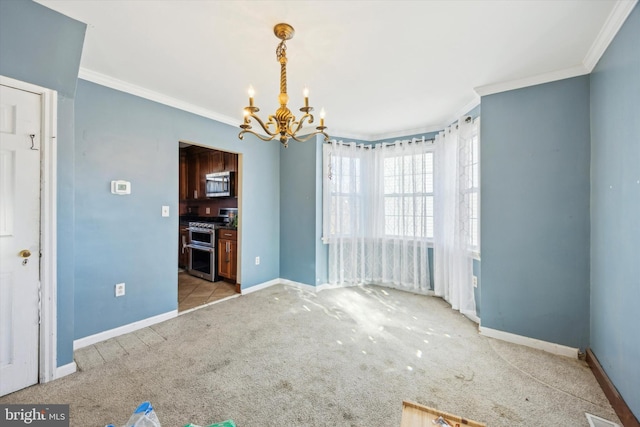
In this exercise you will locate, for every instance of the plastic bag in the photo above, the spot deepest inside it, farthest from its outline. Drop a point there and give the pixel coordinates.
(143, 416)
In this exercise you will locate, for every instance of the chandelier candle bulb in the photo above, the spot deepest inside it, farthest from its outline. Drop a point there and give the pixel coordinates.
(305, 93)
(252, 92)
(322, 114)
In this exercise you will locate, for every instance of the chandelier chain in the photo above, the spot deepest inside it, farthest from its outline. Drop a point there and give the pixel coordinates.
(281, 53)
(283, 77)
(281, 50)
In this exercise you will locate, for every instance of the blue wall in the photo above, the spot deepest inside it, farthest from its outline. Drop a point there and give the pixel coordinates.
(50, 57)
(124, 238)
(40, 46)
(535, 148)
(298, 212)
(105, 239)
(615, 211)
(536, 235)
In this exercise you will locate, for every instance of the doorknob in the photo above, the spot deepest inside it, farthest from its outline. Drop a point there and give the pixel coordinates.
(25, 253)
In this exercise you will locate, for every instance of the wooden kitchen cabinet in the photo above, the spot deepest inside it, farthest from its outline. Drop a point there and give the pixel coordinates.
(194, 185)
(216, 162)
(183, 178)
(228, 254)
(196, 163)
(230, 162)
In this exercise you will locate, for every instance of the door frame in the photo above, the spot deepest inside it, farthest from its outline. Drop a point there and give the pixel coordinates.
(47, 366)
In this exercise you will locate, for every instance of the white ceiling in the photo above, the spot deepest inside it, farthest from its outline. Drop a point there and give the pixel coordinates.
(379, 68)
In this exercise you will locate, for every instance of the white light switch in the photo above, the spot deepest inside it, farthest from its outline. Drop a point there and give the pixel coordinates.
(165, 211)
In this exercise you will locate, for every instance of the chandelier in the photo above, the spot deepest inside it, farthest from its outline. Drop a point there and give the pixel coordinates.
(283, 123)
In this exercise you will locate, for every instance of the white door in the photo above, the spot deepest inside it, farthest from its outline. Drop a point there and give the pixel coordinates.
(20, 123)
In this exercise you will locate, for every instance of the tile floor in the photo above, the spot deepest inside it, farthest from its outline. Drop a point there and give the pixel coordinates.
(193, 291)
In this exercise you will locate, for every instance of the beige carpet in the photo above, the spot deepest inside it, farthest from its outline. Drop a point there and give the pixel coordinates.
(346, 357)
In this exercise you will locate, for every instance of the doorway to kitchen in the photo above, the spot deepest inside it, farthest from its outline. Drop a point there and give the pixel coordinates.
(207, 245)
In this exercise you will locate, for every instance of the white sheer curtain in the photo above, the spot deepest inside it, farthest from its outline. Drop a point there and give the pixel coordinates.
(378, 213)
(453, 262)
(344, 195)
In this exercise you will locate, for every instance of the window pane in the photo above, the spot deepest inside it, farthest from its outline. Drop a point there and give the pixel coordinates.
(408, 187)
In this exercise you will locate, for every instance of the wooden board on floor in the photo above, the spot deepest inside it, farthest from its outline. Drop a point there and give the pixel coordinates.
(416, 415)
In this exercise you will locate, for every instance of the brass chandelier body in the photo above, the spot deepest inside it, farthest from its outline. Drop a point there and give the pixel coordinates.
(283, 123)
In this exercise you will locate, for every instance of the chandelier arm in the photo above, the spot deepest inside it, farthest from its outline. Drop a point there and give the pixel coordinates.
(264, 138)
(264, 126)
(308, 136)
(300, 123)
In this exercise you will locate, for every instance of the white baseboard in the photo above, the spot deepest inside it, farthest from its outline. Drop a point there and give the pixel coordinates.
(209, 303)
(549, 347)
(278, 281)
(300, 285)
(326, 286)
(473, 317)
(260, 286)
(64, 370)
(125, 329)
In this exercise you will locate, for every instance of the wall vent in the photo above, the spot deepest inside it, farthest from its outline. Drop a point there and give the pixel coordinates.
(599, 422)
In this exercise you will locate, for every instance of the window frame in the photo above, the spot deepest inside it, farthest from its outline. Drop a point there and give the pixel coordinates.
(425, 196)
(332, 196)
(474, 187)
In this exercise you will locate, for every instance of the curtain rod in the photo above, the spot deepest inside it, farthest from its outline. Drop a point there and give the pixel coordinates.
(467, 119)
(368, 146)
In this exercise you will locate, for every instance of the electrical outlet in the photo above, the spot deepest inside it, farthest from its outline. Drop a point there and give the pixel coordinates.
(207, 211)
(475, 281)
(119, 289)
(165, 211)
(257, 260)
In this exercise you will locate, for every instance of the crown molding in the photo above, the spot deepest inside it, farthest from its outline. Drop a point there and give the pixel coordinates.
(340, 135)
(567, 73)
(113, 83)
(407, 132)
(612, 25)
(462, 111)
(427, 128)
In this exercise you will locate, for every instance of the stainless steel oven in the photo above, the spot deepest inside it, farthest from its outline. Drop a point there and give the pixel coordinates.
(202, 251)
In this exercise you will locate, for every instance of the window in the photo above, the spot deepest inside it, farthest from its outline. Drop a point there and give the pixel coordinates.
(408, 195)
(345, 194)
(472, 188)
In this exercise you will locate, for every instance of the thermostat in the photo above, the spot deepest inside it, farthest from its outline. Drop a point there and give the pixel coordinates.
(120, 187)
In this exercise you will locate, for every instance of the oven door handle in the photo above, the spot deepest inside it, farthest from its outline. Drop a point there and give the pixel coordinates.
(201, 230)
(201, 248)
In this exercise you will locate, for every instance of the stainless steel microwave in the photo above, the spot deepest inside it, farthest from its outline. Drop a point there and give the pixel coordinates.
(220, 184)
